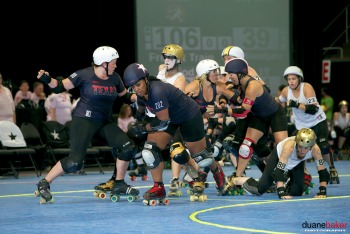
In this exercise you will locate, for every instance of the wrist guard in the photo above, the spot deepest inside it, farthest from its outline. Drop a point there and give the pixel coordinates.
(45, 79)
(222, 110)
(281, 191)
(311, 109)
(323, 191)
(293, 103)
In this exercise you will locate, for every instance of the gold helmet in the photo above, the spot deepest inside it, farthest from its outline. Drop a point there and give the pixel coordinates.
(174, 50)
(343, 103)
(305, 137)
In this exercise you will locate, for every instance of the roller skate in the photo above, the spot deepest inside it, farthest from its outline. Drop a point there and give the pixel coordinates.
(187, 181)
(44, 192)
(155, 196)
(334, 175)
(124, 190)
(219, 178)
(102, 189)
(140, 171)
(230, 187)
(307, 183)
(174, 188)
(197, 192)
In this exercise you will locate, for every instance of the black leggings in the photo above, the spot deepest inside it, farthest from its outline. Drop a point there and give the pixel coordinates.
(296, 176)
(81, 133)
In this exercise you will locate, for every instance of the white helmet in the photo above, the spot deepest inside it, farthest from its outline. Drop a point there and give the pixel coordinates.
(104, 54)
(295, 71)
(205, 66)
(233, 51)
(222, 70)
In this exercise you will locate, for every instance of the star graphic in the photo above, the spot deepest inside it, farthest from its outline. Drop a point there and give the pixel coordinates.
(142, 68)
(13, 137)
(55, 135)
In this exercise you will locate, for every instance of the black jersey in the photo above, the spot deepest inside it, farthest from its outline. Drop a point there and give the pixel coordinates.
(166, 96)
(96, 95)
(201, 100)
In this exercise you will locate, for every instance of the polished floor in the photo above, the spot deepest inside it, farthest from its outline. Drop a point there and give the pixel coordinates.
(76, 210)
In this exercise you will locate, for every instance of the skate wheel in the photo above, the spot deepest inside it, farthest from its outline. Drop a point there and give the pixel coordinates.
(312, 184)
(115, 198)
(193, 198)
(153, 202)
(132, 178)
(183, 185)
(36, 193)
(42, 201)
(164, 201)
(189, 192)
(144, 178)
(202, 198)
(102, 195)
(132, 198)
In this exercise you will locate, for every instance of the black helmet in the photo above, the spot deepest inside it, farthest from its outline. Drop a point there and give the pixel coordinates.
(237, 66)
(133, 73)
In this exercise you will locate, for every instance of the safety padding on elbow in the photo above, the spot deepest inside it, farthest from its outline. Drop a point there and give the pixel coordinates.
(69, 166)
(151, 154)
(204, 158)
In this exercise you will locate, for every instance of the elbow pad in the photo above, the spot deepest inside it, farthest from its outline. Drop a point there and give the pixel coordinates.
(59, 88)
(311, 109)
(126, 98)
(159, 125)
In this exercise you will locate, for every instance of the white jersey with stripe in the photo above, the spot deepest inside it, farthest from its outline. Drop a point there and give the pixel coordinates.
(169, 80)
(293, 160)
(302, 119)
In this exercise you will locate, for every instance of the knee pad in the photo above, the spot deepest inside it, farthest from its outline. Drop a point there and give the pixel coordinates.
(246, 149)
(151, 154)
(115, 153)
(69, 165)
(262, 150)
(204, 158)
(128, 151)
(178, 153)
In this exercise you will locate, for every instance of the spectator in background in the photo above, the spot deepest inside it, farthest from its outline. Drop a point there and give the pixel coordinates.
(60, 107)
(7, 105)
(125, 117)
(38, 96)
(23, 94)
(327, 103)
(341, 121)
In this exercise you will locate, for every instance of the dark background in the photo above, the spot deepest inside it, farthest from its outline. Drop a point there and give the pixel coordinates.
(60, 37)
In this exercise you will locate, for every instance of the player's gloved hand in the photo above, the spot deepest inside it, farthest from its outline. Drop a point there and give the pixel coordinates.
(294, 103)
(137, 131)
(282, 193)
(322, 193)
(227, 142)
(311, 109)
(46, 79)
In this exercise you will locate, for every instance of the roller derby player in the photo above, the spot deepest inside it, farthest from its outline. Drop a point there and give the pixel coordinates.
(173, 110)
(287, 162)
(308, 113)
(99, 86)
